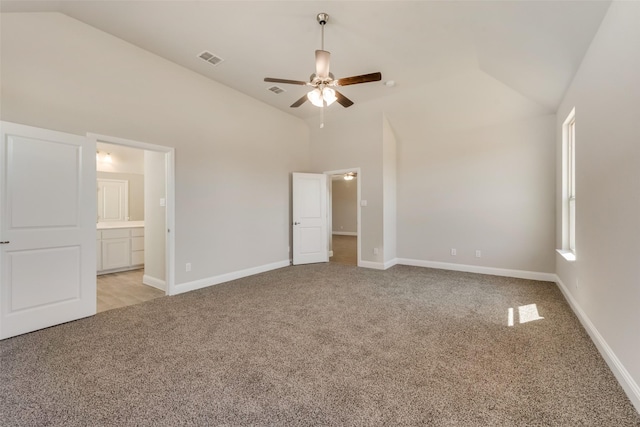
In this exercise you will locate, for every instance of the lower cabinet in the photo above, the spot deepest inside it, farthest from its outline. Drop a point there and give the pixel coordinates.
(120, 249)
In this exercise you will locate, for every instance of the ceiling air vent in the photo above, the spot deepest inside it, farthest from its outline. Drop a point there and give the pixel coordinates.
(276, 89)
(210, 58)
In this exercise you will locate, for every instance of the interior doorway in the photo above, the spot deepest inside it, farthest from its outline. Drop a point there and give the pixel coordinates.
(135, 256)
(344, 216)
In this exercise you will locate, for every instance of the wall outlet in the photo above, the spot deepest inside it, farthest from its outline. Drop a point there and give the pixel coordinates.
(163, 202)
(453, 252)
(187, 267)
(478, 253)
(375, 251)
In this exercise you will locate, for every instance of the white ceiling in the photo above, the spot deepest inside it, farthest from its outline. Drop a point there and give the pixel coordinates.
(532, 47)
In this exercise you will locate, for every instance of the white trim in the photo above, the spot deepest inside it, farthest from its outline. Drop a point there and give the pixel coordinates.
(344, 233)
(227, 277)
(371, 264)
(170, 200)
(630, 387)
(521, 274)
(154, 282)
(330, 254)
(390, 263)
(567, 255)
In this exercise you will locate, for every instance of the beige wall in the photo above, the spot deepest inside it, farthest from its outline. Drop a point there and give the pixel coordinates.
(136, 192)
(604, 280)
(344, 206)
(155, 226)
(233, 154)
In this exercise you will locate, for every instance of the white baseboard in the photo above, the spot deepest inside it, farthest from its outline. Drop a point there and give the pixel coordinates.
(390, 263)
(227, 277)
(156, 283)
(344, 233)
(330, 254)
(371, 264)
(630, 387)
(521, 274)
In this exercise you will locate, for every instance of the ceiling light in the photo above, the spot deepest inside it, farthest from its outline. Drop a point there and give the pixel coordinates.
(107, 158)
(349, 176)
(322, 97)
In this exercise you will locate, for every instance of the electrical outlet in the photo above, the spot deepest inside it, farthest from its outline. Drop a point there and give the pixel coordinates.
(478, 253)
(187, 267)
(453, 252)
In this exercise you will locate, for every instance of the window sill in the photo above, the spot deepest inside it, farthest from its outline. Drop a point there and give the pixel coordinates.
(568, 255)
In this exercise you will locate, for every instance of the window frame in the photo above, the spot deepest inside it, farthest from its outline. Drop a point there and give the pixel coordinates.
(569, 184)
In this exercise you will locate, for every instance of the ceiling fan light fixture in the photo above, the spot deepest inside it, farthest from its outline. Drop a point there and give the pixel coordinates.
(322, 97)
(349, 176)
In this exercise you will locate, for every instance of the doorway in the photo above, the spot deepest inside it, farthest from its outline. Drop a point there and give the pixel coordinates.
(344, 216)
(134, 257)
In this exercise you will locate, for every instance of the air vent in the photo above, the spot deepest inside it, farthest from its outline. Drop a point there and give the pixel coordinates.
(210, 58)
(276, 89)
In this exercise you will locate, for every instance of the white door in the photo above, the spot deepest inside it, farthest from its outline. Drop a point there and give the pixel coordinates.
(47, 228)
(113, 200)
(310, 242)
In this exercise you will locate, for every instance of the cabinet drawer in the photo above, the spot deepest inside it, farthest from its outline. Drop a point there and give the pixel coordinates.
(137, 243)
(137, 232)
(115, 233)
(137, 258)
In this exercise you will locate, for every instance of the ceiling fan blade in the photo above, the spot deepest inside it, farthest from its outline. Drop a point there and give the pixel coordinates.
(322, 63)
(365, 78)
(343, 100)
(299, 102)
(291, 82)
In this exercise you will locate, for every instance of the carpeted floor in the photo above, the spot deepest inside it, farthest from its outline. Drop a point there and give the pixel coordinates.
(320, 345)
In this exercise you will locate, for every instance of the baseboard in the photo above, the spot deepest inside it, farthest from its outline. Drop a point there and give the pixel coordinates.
(344, 233)
(156, 283)
(227, 277)
(330, 254)
(371, 264)
(521, 274)
(630, 387)
(390, 263)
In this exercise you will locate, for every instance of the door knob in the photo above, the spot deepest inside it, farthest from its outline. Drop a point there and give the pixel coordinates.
(295, 223)
(4, 243)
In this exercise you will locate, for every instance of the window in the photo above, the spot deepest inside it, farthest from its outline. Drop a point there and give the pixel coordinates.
(569, 184)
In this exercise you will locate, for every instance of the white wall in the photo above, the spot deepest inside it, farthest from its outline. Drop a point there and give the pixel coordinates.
(389, 177)
(233, 154)
(155, 221)
(476, 171)
(344, 206)
(604, 281)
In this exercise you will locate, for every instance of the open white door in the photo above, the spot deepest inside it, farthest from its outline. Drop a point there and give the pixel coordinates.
(310, 242)
(47, 228)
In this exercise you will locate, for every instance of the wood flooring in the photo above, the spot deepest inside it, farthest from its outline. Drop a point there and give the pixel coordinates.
(117, 290)
(345, 250)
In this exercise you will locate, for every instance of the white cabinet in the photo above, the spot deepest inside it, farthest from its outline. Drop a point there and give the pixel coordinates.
(120, 249)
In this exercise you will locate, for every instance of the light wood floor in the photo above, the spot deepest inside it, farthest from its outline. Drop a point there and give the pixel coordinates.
(345, 250)
(117, 290)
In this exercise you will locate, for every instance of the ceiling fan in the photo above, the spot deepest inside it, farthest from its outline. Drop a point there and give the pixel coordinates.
(323, 81)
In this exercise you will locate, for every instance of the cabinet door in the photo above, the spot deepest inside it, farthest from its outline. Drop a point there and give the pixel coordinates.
(116, 253)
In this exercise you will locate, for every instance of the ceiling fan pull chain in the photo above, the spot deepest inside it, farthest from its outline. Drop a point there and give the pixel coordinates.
(322, 115)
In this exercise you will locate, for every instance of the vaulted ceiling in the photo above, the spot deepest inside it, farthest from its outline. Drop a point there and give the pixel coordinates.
(526, 48)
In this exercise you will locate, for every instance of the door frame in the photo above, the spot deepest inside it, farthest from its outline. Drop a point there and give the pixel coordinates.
(359, 210)
(169, 251)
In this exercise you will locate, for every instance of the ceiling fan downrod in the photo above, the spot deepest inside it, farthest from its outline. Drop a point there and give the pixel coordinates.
(322, 20)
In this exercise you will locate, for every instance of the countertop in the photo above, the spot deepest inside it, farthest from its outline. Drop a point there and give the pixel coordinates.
(119, 224)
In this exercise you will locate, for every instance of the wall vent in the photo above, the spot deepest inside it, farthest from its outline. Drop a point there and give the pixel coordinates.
(210, 58)
(276, 89)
